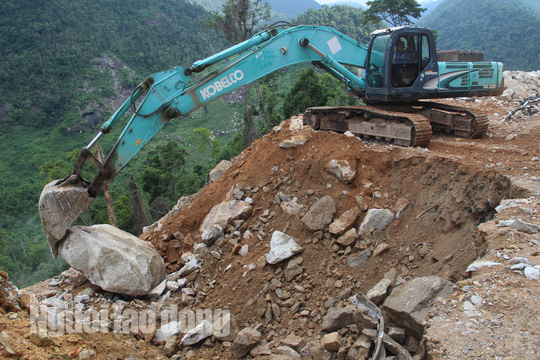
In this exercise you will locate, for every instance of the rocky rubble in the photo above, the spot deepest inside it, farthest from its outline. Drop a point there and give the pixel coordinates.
(309, 244)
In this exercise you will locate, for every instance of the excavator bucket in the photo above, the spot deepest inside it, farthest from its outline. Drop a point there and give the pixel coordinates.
(60, 204)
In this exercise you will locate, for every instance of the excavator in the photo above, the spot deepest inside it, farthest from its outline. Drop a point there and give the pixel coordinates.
(392, 74)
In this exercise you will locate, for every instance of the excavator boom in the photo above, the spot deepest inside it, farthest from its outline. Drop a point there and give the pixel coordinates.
(175, 93)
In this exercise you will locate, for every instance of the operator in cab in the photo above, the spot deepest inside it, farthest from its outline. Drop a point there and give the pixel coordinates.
(401, 55)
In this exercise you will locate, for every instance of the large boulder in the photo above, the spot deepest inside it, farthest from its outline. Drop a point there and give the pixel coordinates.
(113, 259)
(409, 304)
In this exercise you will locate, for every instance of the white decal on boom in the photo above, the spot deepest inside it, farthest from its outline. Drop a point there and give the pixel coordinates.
(219, 85)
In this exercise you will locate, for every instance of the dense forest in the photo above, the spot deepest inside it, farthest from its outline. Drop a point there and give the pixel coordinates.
(67, 65)
(281, 9)
(506, 31)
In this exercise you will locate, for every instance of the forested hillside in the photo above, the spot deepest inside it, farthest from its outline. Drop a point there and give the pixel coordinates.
(505, 31)
(285, 9)
(344, 18)
(66, 65)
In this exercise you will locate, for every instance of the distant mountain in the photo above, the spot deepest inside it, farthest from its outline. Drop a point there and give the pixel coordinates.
(429, 6)
(344, 2)
(293, 8)
(505, 31)
(534, 5)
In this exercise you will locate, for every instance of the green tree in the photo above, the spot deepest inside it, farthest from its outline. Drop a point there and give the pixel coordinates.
(237, 22)
(394, 12)
(205, 140)
(159, 176)
(238, 19)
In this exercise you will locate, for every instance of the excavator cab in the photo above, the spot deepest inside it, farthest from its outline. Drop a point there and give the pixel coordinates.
(399, 60)
(402, 65)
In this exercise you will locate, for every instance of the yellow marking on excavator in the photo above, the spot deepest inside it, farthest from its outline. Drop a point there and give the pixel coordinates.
(138, 142)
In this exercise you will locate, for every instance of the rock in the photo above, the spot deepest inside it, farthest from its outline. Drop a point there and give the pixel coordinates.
(285, 353)
(362, 202)
(244, 250)
(225, 213)
(398, 334)
(188, 268)
(295, 342)
(167, 330)
(211, 234)
(348, 238)
(170, 348)
(409, 304)
(291, 206)
(87, 355)
(156, 292)
(331, 342)
(344, 222)
(477, 265)
(82, 298)
(225, 327)
(337, 318)
(381, 248)
(292, 270)
(520, 225)
(360, 349)
(376, 219)
(40, 339)
(246, 339)
(113, 259)
(402, 206)
(295, 140)
(320, 214)
(342, 169)
(358, 259)
(282, 247)
(314, 350)
(200, 332)
(532, 273)
(518, 260)
(377, 294)
(424, 250)
(172, 286)
(220, 168)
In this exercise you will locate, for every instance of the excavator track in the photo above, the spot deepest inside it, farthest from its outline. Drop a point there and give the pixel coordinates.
(461, 121)
(389, 124)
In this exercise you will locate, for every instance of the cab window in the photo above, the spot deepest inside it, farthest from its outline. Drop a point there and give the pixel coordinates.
(425, 51)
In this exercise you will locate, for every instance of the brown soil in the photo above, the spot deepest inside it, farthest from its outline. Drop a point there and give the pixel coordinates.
(444, 193)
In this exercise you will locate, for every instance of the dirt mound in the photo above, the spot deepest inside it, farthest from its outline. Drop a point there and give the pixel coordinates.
(441, 194)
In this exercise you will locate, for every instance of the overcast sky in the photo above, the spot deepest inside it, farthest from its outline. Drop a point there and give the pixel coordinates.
(362, 2)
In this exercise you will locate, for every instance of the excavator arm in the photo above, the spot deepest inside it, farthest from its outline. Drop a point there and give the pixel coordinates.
(173, 93)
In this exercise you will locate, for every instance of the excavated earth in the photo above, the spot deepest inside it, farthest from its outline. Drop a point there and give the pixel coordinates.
(444, 198)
